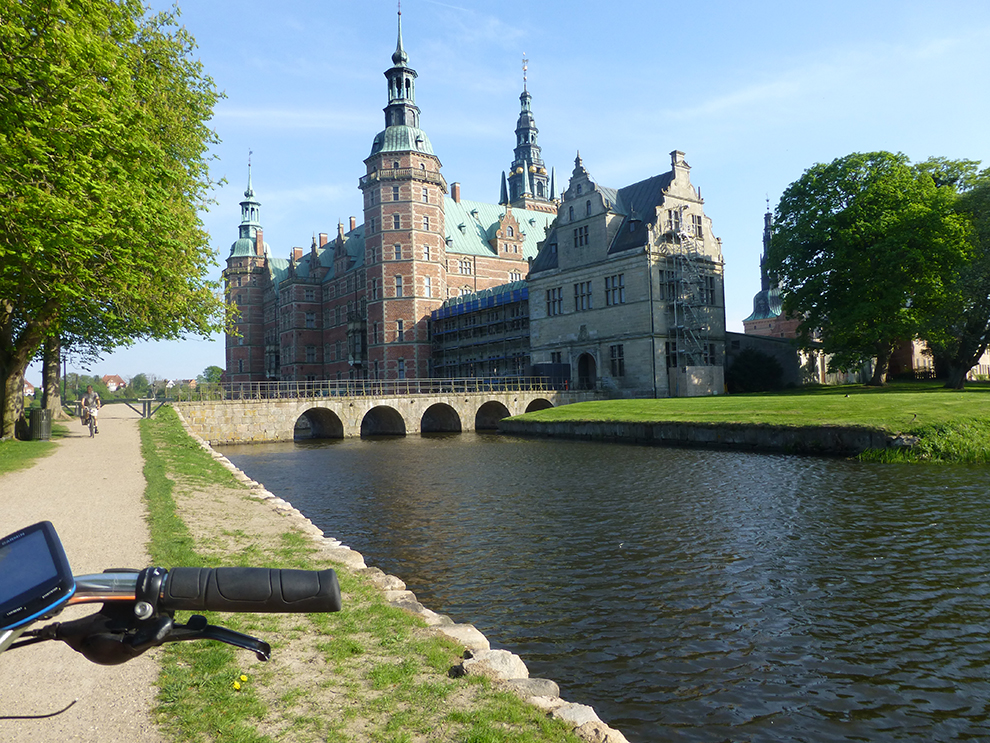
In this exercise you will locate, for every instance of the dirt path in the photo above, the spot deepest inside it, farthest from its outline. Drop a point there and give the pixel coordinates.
(92, 491)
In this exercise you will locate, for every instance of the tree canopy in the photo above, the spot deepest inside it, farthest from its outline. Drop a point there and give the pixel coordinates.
(104, 149)
(864, 250)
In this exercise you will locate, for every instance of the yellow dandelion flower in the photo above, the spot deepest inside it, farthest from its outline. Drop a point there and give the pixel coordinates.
(237, 686)
(243, 678)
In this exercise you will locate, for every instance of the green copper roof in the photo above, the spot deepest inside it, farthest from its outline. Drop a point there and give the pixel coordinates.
(242, 248)
(471, 224)
(401, 139)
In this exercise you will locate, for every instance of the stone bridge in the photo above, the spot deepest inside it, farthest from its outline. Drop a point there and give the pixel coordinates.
(263, 420)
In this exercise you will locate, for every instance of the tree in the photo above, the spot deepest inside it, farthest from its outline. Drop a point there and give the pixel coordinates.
(959, 334)
(211, 375)
(862, 249)
(103, 167)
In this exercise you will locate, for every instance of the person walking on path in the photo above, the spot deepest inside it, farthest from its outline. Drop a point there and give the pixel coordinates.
(95, 499)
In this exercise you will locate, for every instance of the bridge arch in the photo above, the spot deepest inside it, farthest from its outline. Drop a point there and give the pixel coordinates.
(440, 417)
(318, 423)
(383, 420)
(538, 404)
(489, 414)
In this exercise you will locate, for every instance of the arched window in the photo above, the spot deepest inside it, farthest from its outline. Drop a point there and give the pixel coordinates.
(570, 213)
(587, 208)
(579, 189)
(395, 164)
(510, 232)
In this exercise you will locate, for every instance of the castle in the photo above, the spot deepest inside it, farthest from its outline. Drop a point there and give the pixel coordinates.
(366, 304)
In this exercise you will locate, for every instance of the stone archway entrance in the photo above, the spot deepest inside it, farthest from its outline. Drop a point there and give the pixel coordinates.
(587, 372)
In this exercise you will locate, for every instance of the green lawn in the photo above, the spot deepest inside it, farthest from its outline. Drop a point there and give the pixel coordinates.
(953, 425)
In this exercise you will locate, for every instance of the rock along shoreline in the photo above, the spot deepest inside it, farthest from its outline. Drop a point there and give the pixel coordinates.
(821, 440)
(501, 666)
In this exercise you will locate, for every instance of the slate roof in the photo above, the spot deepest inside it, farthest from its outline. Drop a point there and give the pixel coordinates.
(635, 202)
(766, 305)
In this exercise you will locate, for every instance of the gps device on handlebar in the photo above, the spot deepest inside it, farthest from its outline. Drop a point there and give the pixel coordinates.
(35, 578)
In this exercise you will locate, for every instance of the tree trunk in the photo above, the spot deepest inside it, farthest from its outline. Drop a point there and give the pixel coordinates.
(957, 376)
(51, 376)
(12, 403)
(880, 368)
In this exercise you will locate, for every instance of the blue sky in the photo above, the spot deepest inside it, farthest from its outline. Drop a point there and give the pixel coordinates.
(753, 91)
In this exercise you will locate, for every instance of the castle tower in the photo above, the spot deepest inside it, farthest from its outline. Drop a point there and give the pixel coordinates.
(244, 282)
(405, 251)
(529, 185)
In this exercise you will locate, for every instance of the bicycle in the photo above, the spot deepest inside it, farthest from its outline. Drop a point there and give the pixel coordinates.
(90, 415)
(138, 609)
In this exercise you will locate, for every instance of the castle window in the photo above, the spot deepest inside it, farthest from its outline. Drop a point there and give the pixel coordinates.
(615, 289)
(427, 286)
(310, 354)
(581, 236)
(371, 226)
(398, 251)
(674, 217)
(310, 295)
(400, 333)
(395, 165)
(398, 286)
(555, 357)
(240, 366)
(515, 276)
(426, 196)
(510, 232)
(696, 224)
(395, 193)
(401, 369)
(570, 214)
(426, 223)
(579, 189)
(426, 252)
(587, 208)
(395, 221)
(555, 301)
(618, 361)
(374, 333)
(582, 296)
(310, 319)
(539, 190)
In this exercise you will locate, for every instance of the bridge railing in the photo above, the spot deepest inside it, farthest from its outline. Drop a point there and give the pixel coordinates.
(375, 388)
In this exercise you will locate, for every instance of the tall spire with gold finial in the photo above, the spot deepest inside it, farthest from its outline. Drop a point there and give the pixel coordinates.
(528, 178)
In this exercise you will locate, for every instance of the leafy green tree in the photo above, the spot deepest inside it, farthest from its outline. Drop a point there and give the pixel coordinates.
(211, 375)
(103, 167)
(959, 334)
(863, 249)
(138, 385)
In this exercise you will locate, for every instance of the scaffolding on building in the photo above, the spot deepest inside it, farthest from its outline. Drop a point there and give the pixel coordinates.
(689, 279)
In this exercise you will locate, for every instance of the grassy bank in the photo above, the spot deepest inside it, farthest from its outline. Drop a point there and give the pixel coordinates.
(952, 426)
(369, 673)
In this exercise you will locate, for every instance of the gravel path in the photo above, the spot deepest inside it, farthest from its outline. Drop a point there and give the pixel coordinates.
(92, 491)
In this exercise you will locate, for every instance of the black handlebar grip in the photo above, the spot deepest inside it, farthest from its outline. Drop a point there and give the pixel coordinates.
(251, 590)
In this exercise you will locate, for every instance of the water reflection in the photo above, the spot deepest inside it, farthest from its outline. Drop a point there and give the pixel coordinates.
(686, 595)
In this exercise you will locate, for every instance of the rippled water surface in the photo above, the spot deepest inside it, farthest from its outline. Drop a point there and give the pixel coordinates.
(686, 595)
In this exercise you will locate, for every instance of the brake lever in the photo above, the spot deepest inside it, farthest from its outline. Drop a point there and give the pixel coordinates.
(197, 628)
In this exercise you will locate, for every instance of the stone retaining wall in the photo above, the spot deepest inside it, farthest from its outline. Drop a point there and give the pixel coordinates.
(834, 440)
(501, 666)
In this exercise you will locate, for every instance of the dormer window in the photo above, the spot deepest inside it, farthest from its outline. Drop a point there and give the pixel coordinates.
(510, 232)
(395, 164)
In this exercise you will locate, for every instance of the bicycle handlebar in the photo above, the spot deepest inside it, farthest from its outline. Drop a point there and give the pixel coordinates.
(221, 589)
(250, 589)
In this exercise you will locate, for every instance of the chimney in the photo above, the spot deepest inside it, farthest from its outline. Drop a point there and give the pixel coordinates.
(455, 192)
(297, 254)
(323, 239)
(677, 159)
(353, 223)
(259, 242)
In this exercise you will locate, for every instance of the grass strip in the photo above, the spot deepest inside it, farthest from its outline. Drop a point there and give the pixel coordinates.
(952, 425)
(368, 674)
(19, 455)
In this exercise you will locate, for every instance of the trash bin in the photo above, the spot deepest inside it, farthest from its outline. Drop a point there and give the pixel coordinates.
(41, 424)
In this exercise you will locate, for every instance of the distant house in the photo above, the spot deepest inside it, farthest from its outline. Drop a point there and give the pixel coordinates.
(28, 389)
(113, 382)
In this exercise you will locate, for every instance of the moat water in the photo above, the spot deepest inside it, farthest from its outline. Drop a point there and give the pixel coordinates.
(686, 595)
